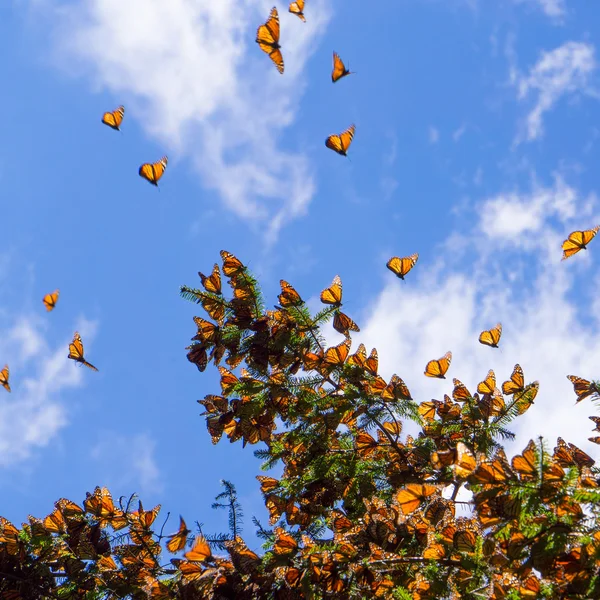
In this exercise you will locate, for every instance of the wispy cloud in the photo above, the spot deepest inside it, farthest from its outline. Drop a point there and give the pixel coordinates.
(197, 82)
(494, 276)
(134, 457)
(564, 71)
(33, 414)
(551, 8)
(434, 135)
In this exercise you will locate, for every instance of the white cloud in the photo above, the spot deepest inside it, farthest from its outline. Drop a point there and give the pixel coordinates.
(434, 135)
(134, 458)
(551, 8)
(190, 73)
(479, 280)
(33, 414)
(564, 71)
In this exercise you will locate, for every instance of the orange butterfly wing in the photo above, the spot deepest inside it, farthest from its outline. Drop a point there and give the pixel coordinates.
(491, 337)
(4, 378)
(267, 37)
(438, 368)
(297, 8)
(76, 351)
(333, 294)
(339, 69)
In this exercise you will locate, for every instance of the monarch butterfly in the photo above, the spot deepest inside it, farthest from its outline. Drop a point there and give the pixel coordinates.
(339, 69)
(343, 323)
(267, 37)
(438, 368)
(526, 464)
(297, 8)
(231, 264)
(583, 388)
(115, 118)
(516, 382)
(333, 294)
(488, 385)
(460, 392)
(178, 540)
(578, 240)
(4, 378)
(401, 266)
(200, 551)
(410, 497)
(50, 300)
(76, 351)
(340, 143)
(152, 172)
(491, 337)
(465, 461)
(212, 283)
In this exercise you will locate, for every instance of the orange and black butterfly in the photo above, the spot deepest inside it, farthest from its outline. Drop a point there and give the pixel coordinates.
(212, 283)
(178, 540)
(152, 172)
(343, 323)
(76, 351)
(401, 266)
(267, 37)
(4, 378)
(516, 383)
(200, 551)
(339, 69)
(438, 368)
(50, 300)
(583, 388)
(491, 337)
(115, 118)
(412, 495)
(578, 240)
(333, 294)
(340, 143)
(297, 8)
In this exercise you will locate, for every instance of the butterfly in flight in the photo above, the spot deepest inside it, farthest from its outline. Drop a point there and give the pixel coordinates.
(491, 337)
(115, 118)
(401, 266)
(437, 368)
(340, 143)
(297, 8)
(267, 37)
(152, 172)
(578, 240)
(4, 378)
(339, 69)
(50, 300)
(76, 351)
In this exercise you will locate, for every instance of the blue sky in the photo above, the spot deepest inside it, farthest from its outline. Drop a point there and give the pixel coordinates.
(477, 145)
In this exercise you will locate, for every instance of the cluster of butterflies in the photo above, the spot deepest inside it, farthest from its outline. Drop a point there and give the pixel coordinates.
(267, 38)
(75, 347)
(151, 172)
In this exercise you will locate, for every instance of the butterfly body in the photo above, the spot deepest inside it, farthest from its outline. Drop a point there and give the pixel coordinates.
(340, 143)
(267, 37)
(152, 172)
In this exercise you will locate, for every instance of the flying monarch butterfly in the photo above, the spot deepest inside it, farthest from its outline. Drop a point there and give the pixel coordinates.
(516, 382)
(115, 118)
(583, 388)
(578, 240)
(178, 540)
(491, 337)
(4, 378)
(343, 323)
(340, 143)
(401, 266)
(267, 37)
(438, 368)
(152, 172)
(50, 300)
(200, 551)
(339, 69)
(333, 294)
(76, 351)
(297, 8)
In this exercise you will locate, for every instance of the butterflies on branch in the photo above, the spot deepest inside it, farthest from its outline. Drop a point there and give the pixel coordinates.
(267, 38)
(76, 352)
(578, 240)
(115, 118)
(152, 172)
(340, 143)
